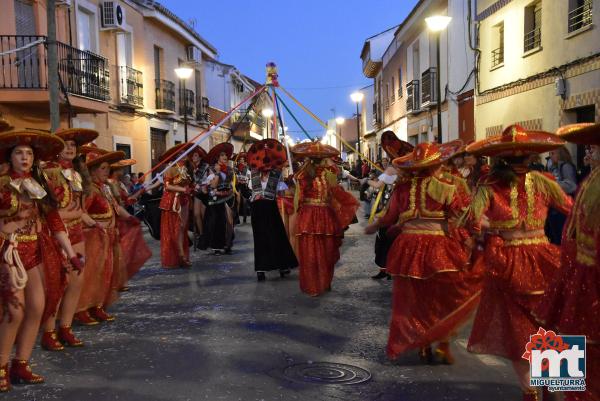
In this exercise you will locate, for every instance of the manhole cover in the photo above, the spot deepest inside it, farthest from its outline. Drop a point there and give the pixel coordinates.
(326, 373)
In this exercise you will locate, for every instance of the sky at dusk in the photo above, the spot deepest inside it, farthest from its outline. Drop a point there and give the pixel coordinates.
(315, 43)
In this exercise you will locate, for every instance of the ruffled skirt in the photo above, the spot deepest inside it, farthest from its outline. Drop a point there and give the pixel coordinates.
(170, 227)
(98, 269)
(134, 250)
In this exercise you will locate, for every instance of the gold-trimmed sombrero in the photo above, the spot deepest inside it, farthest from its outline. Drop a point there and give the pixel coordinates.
(94, 155)
(200, 151)
(81, 136)
(174, 150)
(516, 141)
(213, 154)
(5, 125)
(45, 145)
(581, 133)
(394, 146)
(123, 163)
(427, 155)
(314, 150)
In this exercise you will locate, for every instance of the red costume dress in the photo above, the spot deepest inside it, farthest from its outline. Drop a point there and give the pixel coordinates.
(325, 209)
(427, 257)
(518, 269)
(170, 222)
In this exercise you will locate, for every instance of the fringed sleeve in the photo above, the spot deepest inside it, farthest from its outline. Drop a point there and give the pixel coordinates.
(344, 205)
(552, 191)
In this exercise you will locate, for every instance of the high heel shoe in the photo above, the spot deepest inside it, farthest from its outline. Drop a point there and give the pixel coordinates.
(84, 318)
(68, 338)
(443, 352)
(426, 355)
(4, 382)
(20, 373)
(100, 314)
(50, 341)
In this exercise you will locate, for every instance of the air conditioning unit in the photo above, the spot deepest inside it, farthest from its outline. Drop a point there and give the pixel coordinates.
(59, 3)
(112, 14)
(194, 54)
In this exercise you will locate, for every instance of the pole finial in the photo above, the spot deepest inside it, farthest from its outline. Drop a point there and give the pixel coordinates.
(272, 74)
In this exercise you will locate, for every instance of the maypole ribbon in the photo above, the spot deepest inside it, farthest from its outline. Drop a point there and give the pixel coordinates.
(294, 117)
(201, 137)
(285, 137)
(317, 119)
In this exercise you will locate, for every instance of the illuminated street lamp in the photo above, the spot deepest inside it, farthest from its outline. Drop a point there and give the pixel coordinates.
(357, 97)
(184, 73)
(437, 24)
(267, 113)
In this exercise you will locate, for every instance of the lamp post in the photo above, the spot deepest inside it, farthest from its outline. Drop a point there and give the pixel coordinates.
(437, 24)
(184, 73)
(339, 121)
(267, 113)
(357, 97)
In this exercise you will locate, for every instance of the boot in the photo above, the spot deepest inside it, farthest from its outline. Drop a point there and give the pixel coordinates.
(261, 276)
(4, 382)
(68, 338)
(100, 314)
(531, 395)
(443, 352)
(380, 275)
(50, 341)
(20, 373)
(426, 355)
(84, 318)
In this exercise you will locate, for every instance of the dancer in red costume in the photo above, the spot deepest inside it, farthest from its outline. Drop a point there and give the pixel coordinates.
(571, 305)
(65, 178)
(134, 250)
(324, 211)
(28, 215)
(427, 257)
(175, 206)
(102, 277)
(519, 261)
(199, 168)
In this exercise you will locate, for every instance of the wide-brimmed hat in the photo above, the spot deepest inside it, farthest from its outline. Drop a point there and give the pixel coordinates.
(314, 150)
(267, 154)
(5, 125)
(95, 155)
(394, 146)
(123, 163)
(174, 150)
(223, 147)
(240, 155)
(45, 145)
(581, 133)
(427, 155)
(81, 136)
(200, 151)
(516, 141)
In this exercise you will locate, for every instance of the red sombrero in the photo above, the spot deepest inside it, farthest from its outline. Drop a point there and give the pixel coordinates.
(124, 163)
(213, 154)
(5, 125)
(393, 146)
(516, 141)
(240, 155)
(200, 151)
(314, 150)
(81, 136)
(426, 155)
(267, 154)
(174, 150)
(45, 145)
(582, 133)
(95, 156)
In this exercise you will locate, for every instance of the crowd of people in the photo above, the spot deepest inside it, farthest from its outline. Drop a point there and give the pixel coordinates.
(478, 238)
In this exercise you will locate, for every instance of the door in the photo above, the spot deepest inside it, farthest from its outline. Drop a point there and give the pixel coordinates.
(158, 144)
(466, 117)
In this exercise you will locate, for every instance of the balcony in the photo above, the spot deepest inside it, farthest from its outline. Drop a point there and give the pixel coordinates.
(428, 92)
(581, 16)
(532, 40)
(24, 66)
(202, 115)
(497, 57)
(165, 96)
(186, 102)
(131, 87)
(413, 104)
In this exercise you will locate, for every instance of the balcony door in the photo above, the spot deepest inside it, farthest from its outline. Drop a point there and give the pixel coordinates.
(27, 61)
(124, 63)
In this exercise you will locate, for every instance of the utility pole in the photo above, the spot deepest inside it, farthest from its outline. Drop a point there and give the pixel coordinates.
(53, 90)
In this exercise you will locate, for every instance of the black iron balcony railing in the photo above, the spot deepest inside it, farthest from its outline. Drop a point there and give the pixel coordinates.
(202, 109)
(581, 16)
(497, 56)
(533, 39)
(412, 96)
(24, 65)
(186, 102)
(131, 87)
(165, 95)
(428, 92)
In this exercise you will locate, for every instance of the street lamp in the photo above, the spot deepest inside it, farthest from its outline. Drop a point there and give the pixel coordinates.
(184, 73)
(437, 24)
(357, 97)
(339, 121)
(267, 113)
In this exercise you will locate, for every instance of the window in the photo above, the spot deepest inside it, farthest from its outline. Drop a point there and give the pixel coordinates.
(393, 94)
(533, 26)
(399, 83)
(86, 29)
(580, 14)
(387, 96)
(498, 45)
(157, 61)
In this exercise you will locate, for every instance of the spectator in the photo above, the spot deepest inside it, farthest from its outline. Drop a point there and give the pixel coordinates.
(563, 169)
(535, 163)
(365, 170)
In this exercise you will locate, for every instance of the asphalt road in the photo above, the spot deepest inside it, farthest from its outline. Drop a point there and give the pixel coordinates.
(215, 333)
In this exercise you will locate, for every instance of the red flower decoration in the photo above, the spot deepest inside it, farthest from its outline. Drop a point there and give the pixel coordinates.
(544, 340)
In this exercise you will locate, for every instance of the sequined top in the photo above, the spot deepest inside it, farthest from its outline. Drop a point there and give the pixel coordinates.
(65, 182)
(100, 203)
(316, 191)
(176, 175)
(521, 205)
